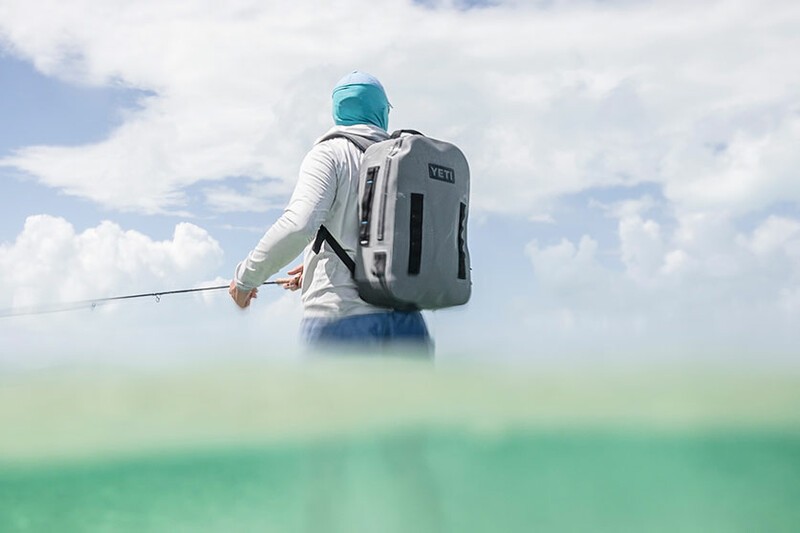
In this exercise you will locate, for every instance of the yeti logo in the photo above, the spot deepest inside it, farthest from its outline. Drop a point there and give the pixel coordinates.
(437, 172)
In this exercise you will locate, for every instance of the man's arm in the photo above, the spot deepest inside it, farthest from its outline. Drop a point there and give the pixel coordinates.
(308, 207)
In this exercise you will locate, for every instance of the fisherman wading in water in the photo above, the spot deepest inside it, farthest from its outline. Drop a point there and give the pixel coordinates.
(326, 194)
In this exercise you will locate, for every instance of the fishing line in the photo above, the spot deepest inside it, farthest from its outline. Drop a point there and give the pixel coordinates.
(91, 304)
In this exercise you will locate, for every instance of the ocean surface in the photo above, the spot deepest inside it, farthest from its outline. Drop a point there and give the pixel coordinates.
(393, 446)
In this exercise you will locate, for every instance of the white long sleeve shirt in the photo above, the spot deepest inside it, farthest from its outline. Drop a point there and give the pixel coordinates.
(326, 193)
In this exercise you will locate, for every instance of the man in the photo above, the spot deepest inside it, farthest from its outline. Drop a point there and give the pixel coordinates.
(327, 194)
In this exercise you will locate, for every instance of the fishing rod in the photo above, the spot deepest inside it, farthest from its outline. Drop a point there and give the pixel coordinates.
(82, 304)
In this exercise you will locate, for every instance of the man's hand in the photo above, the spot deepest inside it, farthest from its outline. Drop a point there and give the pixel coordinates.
(295, 282)
(242, 298)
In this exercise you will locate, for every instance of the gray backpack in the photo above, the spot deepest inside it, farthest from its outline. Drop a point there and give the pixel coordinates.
(413, 196)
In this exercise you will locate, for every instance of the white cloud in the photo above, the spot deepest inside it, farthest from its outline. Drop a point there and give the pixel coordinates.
(748, 170)
(565, 265)
(257, 198)
(50, 262)
(679, 292)
(642, 247)
(776, 234)
(545, 99)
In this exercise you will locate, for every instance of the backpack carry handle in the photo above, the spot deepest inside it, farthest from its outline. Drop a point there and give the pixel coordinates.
(398, 133)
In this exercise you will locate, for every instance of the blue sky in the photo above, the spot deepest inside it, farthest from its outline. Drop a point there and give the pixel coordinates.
(635, 187)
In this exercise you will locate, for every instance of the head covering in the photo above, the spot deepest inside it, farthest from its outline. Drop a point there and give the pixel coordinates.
(359, 98)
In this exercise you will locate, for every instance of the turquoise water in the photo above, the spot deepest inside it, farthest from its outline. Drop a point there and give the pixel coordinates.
(159, 453)
(428, 482)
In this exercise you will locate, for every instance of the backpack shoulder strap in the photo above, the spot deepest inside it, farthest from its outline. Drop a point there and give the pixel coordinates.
(362, 143)
(323, 235)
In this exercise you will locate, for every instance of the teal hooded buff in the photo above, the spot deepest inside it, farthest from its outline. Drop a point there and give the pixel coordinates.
(360, 99)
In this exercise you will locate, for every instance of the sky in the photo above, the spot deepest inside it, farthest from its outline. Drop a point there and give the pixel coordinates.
(635, 187)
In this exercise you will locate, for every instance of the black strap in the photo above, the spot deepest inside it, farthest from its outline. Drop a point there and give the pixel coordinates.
(323, 235)
(415, 234)
(462, 241)
(362, 143)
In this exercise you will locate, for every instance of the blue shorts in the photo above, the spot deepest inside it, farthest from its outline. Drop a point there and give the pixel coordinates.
(395, 331)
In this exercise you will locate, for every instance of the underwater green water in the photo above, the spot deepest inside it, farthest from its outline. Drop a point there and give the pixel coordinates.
(574, 481)
(396, 448)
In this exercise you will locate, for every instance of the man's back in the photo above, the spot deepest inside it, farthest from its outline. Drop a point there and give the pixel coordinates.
(328, 289)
